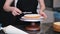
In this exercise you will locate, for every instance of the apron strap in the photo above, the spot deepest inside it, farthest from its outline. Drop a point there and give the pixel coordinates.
(15, 3)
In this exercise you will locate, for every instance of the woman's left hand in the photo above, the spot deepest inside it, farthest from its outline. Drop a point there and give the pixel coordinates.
(43, 14)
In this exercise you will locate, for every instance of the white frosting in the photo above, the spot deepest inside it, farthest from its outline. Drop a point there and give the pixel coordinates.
(15, 2)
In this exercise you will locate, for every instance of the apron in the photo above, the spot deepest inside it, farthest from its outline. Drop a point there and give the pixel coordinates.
(27, 5)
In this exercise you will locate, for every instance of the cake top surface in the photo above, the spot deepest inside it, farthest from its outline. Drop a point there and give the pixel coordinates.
(57, 23)
(32, 15)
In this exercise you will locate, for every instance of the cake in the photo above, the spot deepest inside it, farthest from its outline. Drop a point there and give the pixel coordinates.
(56, 26)
(32, 16)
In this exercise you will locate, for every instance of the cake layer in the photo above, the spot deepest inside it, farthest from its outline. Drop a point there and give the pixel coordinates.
(32, 16)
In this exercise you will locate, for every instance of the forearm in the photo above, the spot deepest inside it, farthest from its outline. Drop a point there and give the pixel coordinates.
(42, 8)
(42, 5)
(7, 6)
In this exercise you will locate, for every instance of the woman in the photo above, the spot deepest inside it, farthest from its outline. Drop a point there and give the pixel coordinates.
(24, 6)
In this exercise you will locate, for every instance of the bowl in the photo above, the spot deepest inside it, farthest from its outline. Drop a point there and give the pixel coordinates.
(56, 26)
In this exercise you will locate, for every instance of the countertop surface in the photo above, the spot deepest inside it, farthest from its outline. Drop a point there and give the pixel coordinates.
(47, 29)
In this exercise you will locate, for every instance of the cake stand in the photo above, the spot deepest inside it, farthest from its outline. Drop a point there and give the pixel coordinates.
(33, 26)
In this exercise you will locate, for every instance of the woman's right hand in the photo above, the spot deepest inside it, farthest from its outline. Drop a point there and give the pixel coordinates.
(15, 11)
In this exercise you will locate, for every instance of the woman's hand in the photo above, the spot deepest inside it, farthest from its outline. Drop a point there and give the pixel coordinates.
(15, 11)
(43, 14)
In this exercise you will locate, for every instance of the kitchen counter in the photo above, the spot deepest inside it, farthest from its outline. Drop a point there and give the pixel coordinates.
(46, 27)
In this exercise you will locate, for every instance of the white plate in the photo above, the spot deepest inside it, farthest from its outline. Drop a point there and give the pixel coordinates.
(32, 20)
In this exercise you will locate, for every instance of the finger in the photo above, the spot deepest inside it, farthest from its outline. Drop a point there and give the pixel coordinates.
(13, 14)
(45, 16)
(18, 11)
